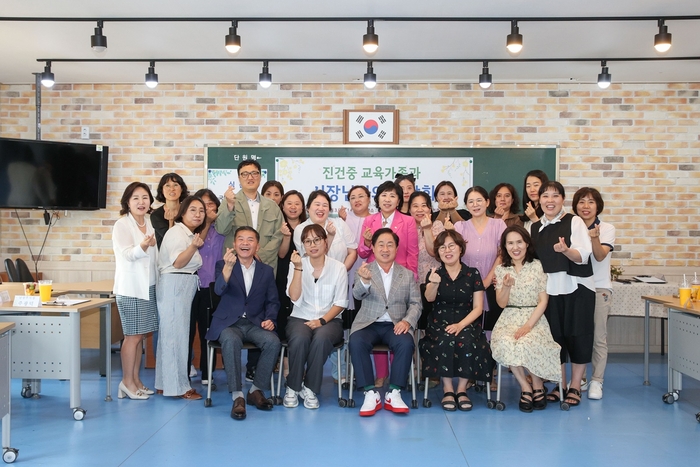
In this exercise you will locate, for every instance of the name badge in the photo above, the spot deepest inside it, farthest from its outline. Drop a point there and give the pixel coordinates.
(27, 301)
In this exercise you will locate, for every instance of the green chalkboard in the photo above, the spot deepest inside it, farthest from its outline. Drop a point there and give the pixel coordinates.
(491, 165)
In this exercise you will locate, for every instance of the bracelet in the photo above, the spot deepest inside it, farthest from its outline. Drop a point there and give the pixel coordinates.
(298, 269)
(322, 321)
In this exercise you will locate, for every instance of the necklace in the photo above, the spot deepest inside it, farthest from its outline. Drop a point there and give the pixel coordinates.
(140, 225)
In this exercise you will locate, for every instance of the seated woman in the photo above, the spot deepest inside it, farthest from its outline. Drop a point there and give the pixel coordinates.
(318, 288)
(454, 343)
(521, 338)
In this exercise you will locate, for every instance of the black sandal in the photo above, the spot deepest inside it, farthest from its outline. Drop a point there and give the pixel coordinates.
(574, 400)
(525, 405)
(539, 399)
(464, 406)
(552, 397)
(449, 405)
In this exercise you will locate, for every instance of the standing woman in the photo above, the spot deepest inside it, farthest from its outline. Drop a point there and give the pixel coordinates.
(534, 179)
(359, 198)
(211, 252)
(504, 204)
(318, 288)
(178, 262)
(272, 189)
(171, 191)
(420, 209)
(292, 206)
(563, 246)
(408, 185)
(446, 197)
(483, 237)
(588, 204)
(455, 345)
(136, 255)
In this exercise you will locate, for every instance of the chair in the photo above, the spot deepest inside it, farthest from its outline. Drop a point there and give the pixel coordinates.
(25, 274)
(214, 300)
(12, 274)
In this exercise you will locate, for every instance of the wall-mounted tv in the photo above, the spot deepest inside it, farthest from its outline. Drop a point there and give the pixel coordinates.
(52, 175)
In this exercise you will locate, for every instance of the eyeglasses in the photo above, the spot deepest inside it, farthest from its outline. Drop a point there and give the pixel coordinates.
(476, 201)
(312, 241)
(451, 247)
(255, 174)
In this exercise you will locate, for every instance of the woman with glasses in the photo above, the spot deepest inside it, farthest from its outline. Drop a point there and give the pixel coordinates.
(318, 288)
(455, 345)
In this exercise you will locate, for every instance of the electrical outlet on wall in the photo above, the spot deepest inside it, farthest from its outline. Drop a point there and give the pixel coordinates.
(85, 132)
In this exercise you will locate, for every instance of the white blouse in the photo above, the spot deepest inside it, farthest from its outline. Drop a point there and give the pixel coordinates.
(319, 296)
(344, 238)
(135, 269)
(176, 240)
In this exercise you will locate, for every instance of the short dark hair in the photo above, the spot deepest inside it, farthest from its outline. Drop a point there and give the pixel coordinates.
(553, 185)
(302, 215)
(410, 177)
(529, 252)
(454, 235)
(248, 162)
(593, 193)
(420, 194)
(185, 205)
(358, 187)
(172, 176)
(389, 186)
(272, 183)
(382, 231)
(481, 190)
(246, 228)
(313, 228)
(539, 174)
(442, 184)
(128, 191)
(315, 194)
(514, 194)
(209, 194)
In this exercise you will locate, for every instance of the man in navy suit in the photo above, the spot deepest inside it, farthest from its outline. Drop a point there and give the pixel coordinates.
(247, 312)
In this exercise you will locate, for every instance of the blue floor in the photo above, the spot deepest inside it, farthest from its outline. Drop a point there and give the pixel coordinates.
(631, 426)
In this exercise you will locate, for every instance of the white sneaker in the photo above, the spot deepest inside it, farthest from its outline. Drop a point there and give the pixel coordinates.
(595, 390)
(193, 371)
(310, 399)
(394, 403)
(290, 398)
(205, 382)
(584, 384)
(372, 403)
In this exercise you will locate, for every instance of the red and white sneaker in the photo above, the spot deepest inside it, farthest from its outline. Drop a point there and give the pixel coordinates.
(394, 403)
(372, 403)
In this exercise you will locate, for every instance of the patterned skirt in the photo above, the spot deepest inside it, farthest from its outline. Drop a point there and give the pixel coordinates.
(138, 316)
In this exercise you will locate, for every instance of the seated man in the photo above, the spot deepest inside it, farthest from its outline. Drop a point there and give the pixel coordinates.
(391, 306)
(247, 313)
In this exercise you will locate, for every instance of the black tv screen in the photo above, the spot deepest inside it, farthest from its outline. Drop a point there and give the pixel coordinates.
(52, 175)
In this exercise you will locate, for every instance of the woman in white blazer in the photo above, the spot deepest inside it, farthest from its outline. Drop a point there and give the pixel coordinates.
(134, 243)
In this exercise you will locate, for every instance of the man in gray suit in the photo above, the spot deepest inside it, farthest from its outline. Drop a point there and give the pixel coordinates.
(391, 307)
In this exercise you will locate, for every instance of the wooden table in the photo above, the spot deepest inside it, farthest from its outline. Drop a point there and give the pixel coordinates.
(9, 454)
(46, 345)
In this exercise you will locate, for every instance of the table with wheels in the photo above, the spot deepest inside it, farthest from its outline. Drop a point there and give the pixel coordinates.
(9, 454)
(46, 345)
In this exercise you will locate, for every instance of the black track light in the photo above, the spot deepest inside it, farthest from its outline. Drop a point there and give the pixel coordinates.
(98, 42)
(514, 41)
(370, 77)
(233, 40)
(370, 41)
(265, 78)
(151, 76)
(485, 78)
(662, 40)
(47, 78)
(604, 78)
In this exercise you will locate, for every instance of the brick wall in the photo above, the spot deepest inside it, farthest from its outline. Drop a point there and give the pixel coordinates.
(637, 143)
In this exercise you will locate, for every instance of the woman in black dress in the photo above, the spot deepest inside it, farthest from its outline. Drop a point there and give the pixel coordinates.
(454, 343)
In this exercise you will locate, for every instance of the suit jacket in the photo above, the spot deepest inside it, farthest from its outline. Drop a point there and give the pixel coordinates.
(403, 302)
(262, 303)
(270, 221)
(405, 227)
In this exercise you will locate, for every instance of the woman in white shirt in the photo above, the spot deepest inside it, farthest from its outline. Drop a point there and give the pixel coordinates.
(136, 254)
(178, 262)
(318, 287)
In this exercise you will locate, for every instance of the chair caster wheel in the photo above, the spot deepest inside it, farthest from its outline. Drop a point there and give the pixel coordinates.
(500, 406)
(207, 402)
(670, 398)
(490, 404)
(478, 388)
(26, 392)
(345, 386)
(10, 455)
(564, 406)
(342, 403)
(78, 414)
(213, 386)
(277, 400)
(351, 403)
(697, 417)
(414, 404)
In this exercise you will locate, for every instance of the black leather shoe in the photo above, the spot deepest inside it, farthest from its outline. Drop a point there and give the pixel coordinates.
(250, 375)
(238, 409)
(258, 399)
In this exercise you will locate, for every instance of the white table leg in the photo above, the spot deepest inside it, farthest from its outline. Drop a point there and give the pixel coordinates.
(108, 350)
(74, 323)
(646, 343)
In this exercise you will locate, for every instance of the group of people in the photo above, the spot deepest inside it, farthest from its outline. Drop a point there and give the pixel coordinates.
(530, 291)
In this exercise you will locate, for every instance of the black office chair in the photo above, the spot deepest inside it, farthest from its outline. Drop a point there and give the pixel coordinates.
(12, 274)
(25, 274)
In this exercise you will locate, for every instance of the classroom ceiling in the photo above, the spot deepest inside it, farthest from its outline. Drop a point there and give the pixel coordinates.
(23, 42)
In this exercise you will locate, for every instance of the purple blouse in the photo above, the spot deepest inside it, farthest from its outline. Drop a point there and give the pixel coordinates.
(211, 252)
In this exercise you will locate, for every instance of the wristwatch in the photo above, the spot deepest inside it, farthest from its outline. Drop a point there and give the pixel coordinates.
(322, 321)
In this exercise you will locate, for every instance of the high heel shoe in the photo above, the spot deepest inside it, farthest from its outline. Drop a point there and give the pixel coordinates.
(124, 392)
(147, 391)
